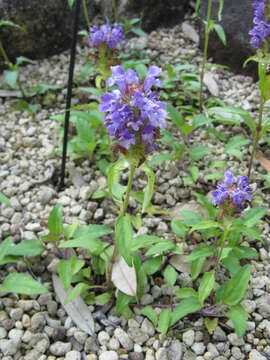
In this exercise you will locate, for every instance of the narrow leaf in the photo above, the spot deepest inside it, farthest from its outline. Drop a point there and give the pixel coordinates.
(164, 321)
(206, 286)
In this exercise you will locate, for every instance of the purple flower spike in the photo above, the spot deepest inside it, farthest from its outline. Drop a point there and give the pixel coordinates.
(233, 194)
(228, 179)
(261, 30)
(111, 36)
(134, 115)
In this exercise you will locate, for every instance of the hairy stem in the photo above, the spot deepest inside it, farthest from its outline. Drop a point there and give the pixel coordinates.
(206, 41)
(114, 10)
(257, 136)
(85, 11)
(3, 53)
(122, 213)
(222, 245)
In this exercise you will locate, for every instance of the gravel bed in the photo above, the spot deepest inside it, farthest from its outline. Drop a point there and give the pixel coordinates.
(37, 328)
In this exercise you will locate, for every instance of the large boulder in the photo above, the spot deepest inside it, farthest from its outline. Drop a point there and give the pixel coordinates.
(237, 20)
(47, 24)
(154, 13)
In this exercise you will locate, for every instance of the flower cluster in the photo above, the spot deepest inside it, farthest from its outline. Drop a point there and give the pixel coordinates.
(134, 113)
(261, 30)
(111, 36)
(232, 192)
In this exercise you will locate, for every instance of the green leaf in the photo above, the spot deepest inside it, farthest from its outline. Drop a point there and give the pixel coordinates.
(190, 217)
(11, 77)
(124, 237)
(164, 321)
(201, 120)
(70, 230)
(9, 23)
(22, 284)
(158, 249)
(211, 325)
(220, 33)
(116, 190)
(122, 302)
(151, 266)
(27, 248)
(170, 275)
(196, 267)
(5, 247)
(139, 32)
(231, 263)
(206, 286)
(202, 251)
(238, 316)
(204, 225)
(76, 291)
(175, 115)
(194, 171)
(178, 227)
(150, 313)
(149, 190)
(93, 245)
(198, 152)
(70, 3)
(55, 223)
(235, 288)
(4, 200)
(103, 299)
(186, 293)
(198, 2)
(187, 306)
(160, 158)
(65, 273)
(144, 241)
(245, 252)
(253, 216)
(24, 60)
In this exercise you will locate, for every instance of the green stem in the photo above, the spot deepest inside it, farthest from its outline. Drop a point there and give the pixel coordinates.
(114, 10)
(133, 166)
(222, 245)
(257, 136)
(206, 41)
(3, 53)
(85, 10)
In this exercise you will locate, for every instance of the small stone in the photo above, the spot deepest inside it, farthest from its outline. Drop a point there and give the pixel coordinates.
(15, 334)
(234, 340)
(147, 299)
(175, 350)
(255, 355)
(136, 356)
(3, 333)
(91, 357)
(91, 346)
(26, 321)
(161, 354)
(114, 344)
(147, 327)
(198, 348)
(80, 336)
(137, 335)
(219, 334)
(86, 192)
(16, 314)
(108, 355)
(38, 321)
(103, 338)
(60, 348)
(124, 339)
(73, 355)
(99, 214)
(189, 337)
(9, 347)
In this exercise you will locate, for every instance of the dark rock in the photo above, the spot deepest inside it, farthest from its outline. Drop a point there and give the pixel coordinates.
(237, 20)
(47, 24)
(154, 13)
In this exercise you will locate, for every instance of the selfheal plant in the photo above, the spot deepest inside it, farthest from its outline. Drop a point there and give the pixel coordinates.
(134, 115)
(107, 40)
(232, 194)
(260, 36)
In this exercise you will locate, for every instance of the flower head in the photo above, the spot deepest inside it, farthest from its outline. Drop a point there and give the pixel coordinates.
(261, 30)
(231, 192)
(134, 115)
(111, 36)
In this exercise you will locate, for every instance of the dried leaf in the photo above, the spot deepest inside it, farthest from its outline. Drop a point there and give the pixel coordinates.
(190, 33)
(211, 84)
(265, 163)
(190, 206)
(124, 277)
(177, 261)
(76, 309)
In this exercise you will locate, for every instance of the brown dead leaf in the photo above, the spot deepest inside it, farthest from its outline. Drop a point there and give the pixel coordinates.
(263, 161)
